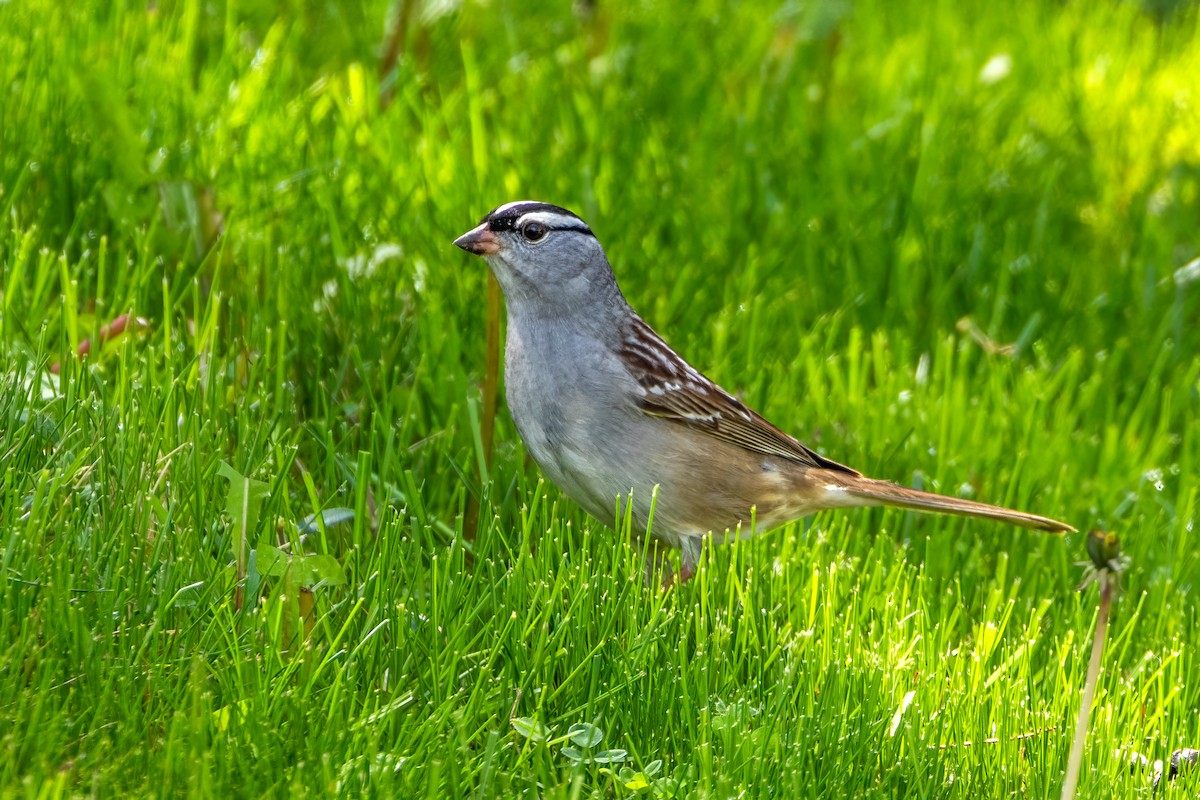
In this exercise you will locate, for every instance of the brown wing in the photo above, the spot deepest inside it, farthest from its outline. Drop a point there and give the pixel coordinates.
(677, 391)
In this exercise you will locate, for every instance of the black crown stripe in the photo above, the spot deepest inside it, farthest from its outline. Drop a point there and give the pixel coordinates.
(508, 216)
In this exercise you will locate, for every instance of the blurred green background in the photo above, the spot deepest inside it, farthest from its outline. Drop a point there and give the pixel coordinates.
(952, 244)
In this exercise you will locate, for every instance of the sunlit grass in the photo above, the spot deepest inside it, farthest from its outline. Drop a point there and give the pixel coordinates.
(940, 243)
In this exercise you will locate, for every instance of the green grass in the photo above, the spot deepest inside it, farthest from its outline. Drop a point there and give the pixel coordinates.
(832, 208)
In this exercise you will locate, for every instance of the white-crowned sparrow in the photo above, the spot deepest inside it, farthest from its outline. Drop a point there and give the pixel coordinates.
(609, 411)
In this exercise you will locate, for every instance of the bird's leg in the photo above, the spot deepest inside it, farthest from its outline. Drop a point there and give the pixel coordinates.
(689, 557)
(658, 564)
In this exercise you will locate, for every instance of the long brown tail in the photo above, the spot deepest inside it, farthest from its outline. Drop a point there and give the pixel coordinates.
(870, 492)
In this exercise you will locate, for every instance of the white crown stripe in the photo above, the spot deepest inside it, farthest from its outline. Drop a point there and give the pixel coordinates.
(499, 211)
(551, 219)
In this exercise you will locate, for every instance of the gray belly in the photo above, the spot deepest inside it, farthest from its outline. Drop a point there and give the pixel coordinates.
(566, 441)
(576, 426)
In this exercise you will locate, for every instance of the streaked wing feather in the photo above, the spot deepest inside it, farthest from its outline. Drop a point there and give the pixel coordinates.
(677, 391)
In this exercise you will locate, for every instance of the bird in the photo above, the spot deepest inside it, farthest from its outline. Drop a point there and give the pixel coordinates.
(622, 424)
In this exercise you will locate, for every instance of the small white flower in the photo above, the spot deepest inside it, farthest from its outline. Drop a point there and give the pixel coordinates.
(996, 69)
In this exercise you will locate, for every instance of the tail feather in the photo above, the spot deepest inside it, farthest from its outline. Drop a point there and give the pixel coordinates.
(869, 492)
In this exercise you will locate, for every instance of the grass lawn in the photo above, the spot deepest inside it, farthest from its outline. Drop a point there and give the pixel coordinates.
(251, 543)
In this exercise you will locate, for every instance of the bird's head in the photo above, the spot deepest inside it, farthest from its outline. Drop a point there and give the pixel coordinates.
(545, 257)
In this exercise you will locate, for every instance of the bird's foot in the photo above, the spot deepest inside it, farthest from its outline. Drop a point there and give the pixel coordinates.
(670, 578)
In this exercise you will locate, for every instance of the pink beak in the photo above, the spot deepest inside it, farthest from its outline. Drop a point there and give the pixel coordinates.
(480, 241)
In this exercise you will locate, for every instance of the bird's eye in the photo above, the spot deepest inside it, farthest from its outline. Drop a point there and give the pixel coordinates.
(534, 232)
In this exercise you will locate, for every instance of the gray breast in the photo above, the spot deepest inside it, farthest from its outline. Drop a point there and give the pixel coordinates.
(569, 399)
